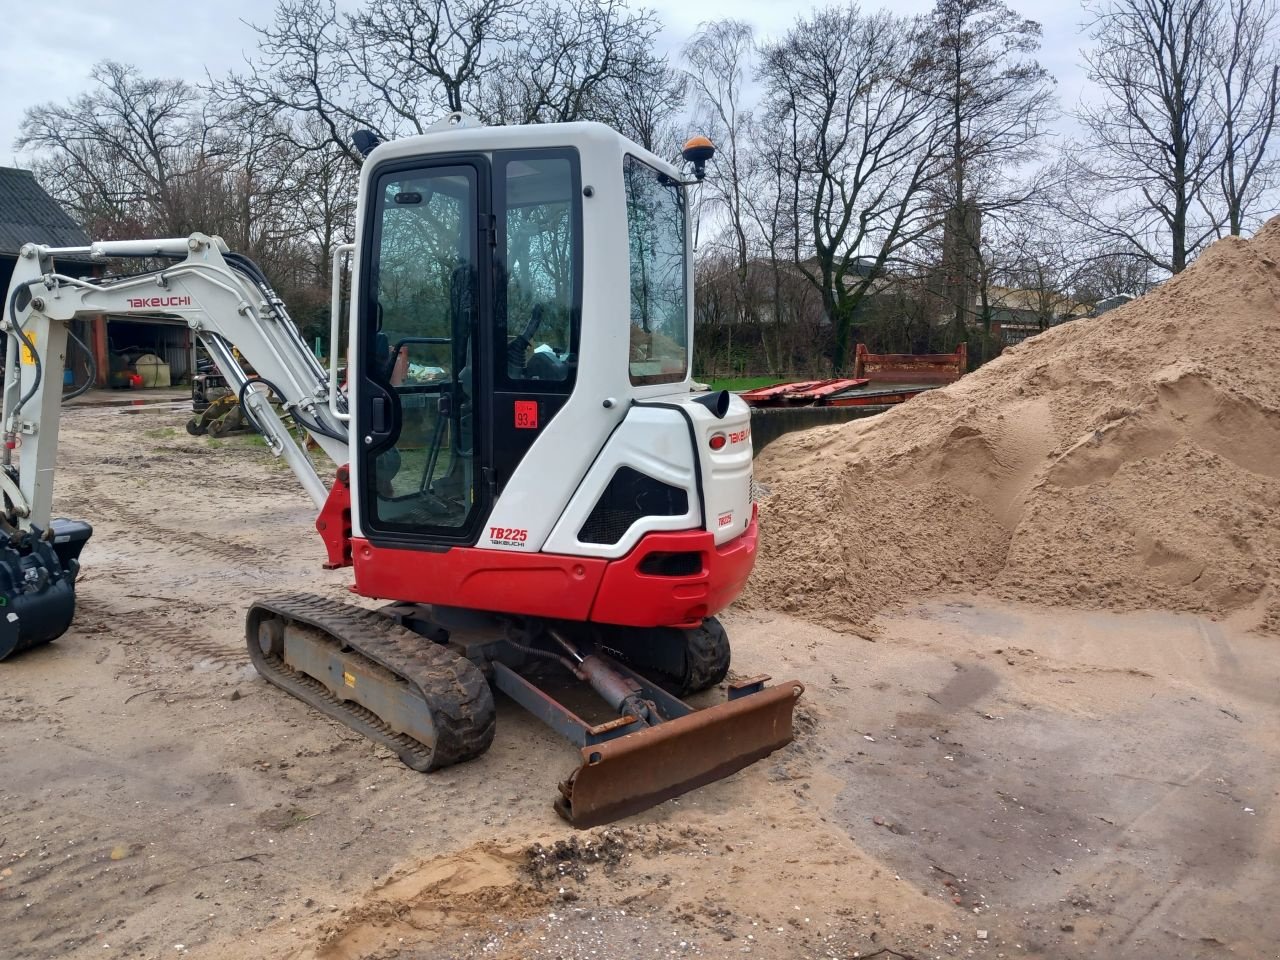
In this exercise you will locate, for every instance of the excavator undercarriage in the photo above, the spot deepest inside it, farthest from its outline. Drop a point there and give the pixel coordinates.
(411, 684)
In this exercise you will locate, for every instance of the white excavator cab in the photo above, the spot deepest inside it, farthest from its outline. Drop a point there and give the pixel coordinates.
(508, 326)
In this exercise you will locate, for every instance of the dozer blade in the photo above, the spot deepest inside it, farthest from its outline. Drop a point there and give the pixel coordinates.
(637, 771)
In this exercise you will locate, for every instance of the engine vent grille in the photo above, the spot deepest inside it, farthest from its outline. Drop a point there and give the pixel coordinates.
(630, 496)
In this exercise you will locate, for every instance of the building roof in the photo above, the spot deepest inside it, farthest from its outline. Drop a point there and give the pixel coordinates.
(1110, 303)
(29, 215)
(1033, 301)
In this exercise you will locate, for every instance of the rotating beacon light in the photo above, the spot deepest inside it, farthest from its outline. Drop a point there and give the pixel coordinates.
(697, 151)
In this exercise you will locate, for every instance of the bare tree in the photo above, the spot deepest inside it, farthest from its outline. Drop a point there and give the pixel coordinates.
(390, 66)
(395, 66)
(773, 212)
(1247, 68)
(573, 61)
(418, 58)
(123, 154)
(648, 107)
(137, 156)
(1113, 273)
(995, 102)
(720, 60)
(846, 95)
(304, 70)
(1156, 136)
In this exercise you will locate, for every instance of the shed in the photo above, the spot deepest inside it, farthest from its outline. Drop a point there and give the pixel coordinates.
(29, 215)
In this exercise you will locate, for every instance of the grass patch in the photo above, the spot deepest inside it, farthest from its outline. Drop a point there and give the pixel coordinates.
(746, 383)
(161, 433)
(256, 443)
(253, 442)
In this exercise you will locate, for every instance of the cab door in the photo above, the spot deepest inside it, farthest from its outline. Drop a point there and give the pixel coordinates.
(423, 472)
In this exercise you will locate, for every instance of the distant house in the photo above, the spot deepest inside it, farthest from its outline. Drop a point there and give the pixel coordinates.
(1110, 303)
(1020, 313)
(29, 215)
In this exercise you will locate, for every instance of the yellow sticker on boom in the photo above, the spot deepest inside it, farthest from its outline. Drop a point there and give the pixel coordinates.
(28, 357)
(348, 678)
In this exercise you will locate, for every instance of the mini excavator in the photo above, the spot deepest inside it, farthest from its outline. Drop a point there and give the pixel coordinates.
(530, 479)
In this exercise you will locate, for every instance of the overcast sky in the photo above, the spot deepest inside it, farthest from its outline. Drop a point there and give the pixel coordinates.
(164, 39)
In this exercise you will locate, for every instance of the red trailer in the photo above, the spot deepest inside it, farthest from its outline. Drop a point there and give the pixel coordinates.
(799, 393)
(879, 379)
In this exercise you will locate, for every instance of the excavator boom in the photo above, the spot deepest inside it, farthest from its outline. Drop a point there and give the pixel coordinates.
(225, 299)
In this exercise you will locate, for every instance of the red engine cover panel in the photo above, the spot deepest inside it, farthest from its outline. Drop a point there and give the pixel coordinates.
(334, 522)
(504, 581)
(565, 588)
(629, 597)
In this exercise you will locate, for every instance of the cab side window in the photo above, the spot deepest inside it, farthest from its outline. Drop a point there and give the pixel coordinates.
(656, 237)
(538, 295)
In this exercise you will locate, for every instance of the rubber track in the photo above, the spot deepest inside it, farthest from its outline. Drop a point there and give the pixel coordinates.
(452, 687)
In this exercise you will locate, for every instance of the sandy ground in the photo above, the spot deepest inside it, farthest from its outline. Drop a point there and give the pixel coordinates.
(981, 779)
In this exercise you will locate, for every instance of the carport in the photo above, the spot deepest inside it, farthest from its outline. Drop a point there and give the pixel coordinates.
(127, 340)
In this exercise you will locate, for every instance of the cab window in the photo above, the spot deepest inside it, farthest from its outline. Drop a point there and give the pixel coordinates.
(539, 288)
(656, 241)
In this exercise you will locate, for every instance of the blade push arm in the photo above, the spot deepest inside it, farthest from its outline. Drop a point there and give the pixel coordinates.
(223, 297)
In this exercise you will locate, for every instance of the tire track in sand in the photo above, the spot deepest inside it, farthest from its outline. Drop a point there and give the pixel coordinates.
(152, 625)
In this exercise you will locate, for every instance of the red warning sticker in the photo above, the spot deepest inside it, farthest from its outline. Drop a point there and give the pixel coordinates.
(526, 414)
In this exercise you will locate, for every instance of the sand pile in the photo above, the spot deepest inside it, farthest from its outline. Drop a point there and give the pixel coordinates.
(1127, 461)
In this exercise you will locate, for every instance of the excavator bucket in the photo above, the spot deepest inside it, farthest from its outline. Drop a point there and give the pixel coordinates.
(634, 772)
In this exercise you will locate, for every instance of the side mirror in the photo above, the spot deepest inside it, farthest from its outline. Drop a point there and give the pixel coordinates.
(697, 151)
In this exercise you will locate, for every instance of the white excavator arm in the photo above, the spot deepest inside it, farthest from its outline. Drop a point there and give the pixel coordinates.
(224, 298)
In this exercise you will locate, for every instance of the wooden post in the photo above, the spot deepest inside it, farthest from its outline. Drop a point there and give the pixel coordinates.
(99, 346)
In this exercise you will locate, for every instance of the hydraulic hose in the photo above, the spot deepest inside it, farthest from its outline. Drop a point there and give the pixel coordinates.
(26, 341)
(247, 266)
(248, 269)
(297, 415)
(541, 654)
(244, 407)
(93, 369)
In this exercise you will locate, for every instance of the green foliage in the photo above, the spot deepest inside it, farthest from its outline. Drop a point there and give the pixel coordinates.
(739, 384)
